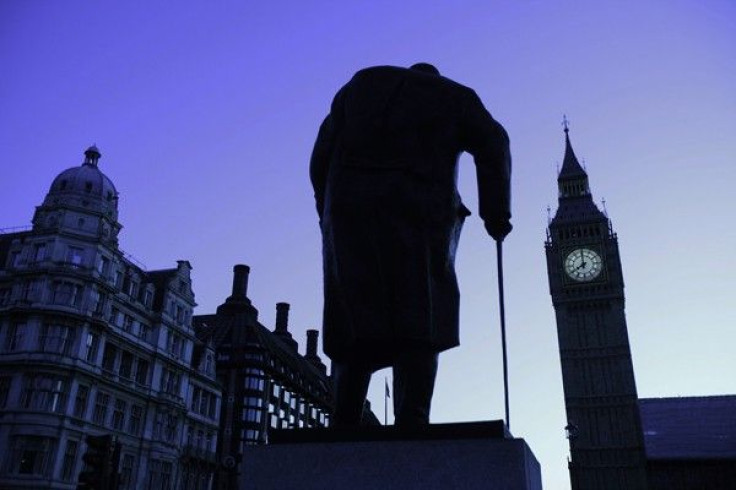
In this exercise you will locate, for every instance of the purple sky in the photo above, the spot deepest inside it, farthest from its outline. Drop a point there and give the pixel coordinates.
(205, 114)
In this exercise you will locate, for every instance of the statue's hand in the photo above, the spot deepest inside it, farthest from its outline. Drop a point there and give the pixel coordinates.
(498, 229)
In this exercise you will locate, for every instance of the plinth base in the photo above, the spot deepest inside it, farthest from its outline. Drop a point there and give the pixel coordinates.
(461, 456)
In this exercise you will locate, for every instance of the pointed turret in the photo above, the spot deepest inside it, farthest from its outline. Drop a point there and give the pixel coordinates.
(575, 200)
(572, 180)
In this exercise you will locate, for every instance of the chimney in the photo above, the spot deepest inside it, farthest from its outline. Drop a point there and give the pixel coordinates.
(311, 355)
(282, 318)
(312, 339)
(240, 281)
(282, 326)
(237, 304)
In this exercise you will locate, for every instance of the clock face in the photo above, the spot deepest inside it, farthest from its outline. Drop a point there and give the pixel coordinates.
(583, 264)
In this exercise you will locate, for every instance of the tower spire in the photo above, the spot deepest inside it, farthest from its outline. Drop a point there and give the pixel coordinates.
(572, 178)
(570, 165)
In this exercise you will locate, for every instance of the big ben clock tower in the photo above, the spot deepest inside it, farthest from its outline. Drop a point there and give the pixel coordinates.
(587, 288)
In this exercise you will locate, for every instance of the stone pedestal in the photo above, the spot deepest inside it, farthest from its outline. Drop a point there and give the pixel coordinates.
(447, 456)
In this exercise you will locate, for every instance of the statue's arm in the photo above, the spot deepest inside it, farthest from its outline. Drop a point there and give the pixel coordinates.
(319, 163)
(488, 142)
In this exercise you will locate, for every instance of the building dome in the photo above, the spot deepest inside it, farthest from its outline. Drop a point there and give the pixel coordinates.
(85, 186)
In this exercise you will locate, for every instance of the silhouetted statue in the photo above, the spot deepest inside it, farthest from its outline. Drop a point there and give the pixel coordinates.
(384, 172)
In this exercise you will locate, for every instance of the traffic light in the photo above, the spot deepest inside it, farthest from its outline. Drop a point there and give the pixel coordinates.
(99, 461)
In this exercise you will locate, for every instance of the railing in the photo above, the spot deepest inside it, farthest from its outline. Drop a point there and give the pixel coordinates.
(133, 259)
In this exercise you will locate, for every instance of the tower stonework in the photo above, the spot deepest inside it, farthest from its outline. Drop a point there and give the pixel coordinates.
(587, 289)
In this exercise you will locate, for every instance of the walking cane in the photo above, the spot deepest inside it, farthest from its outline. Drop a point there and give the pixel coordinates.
(502, 312)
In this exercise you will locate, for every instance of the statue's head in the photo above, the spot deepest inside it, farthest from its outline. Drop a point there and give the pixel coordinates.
(425, 68)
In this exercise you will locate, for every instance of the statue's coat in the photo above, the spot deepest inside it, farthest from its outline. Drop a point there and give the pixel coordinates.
(384, 172)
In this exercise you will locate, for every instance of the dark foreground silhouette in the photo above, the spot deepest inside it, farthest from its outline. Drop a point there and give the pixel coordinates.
(384, 172)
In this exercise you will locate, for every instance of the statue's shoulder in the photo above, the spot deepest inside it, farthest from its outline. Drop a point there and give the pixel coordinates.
(380, 69)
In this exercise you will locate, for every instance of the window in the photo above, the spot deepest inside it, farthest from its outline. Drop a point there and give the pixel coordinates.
(31, 455)
(208, 364)
(103, 265)
(15, 259)
(5, 383)
(179, 314)
(14, 337)
(66, 293)
(141, 374)
(148, 298)
(254, 379)
(44, 392)
(170, 382)
(100, 303)
(80, 401)
(127, 323)
(115, 316)
(252, 401)
(108, 357)
(252, 415)
(70, 458)
(101, 403)
(212, 407)
(30, 290)
(172, 422)
(56, 338)
(144, 332)
(196, 395)
(174, 344)
(126, 365)
(118, 414)
(204, 402)
(252, 436)
(158, 423)
(135, 420)
(126, 471)
(39, 252)
(75, 256)
(91, 345)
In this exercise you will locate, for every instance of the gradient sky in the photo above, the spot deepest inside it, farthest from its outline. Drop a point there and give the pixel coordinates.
(206, 112)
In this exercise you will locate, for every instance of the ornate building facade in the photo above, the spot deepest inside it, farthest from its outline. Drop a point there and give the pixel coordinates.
(91, 343)
(266, 383)
(587, 288)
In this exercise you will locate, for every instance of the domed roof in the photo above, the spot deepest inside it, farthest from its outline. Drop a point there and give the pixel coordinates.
(85, 186)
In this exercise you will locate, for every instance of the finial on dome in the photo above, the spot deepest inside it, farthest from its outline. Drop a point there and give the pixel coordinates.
(92, 156)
